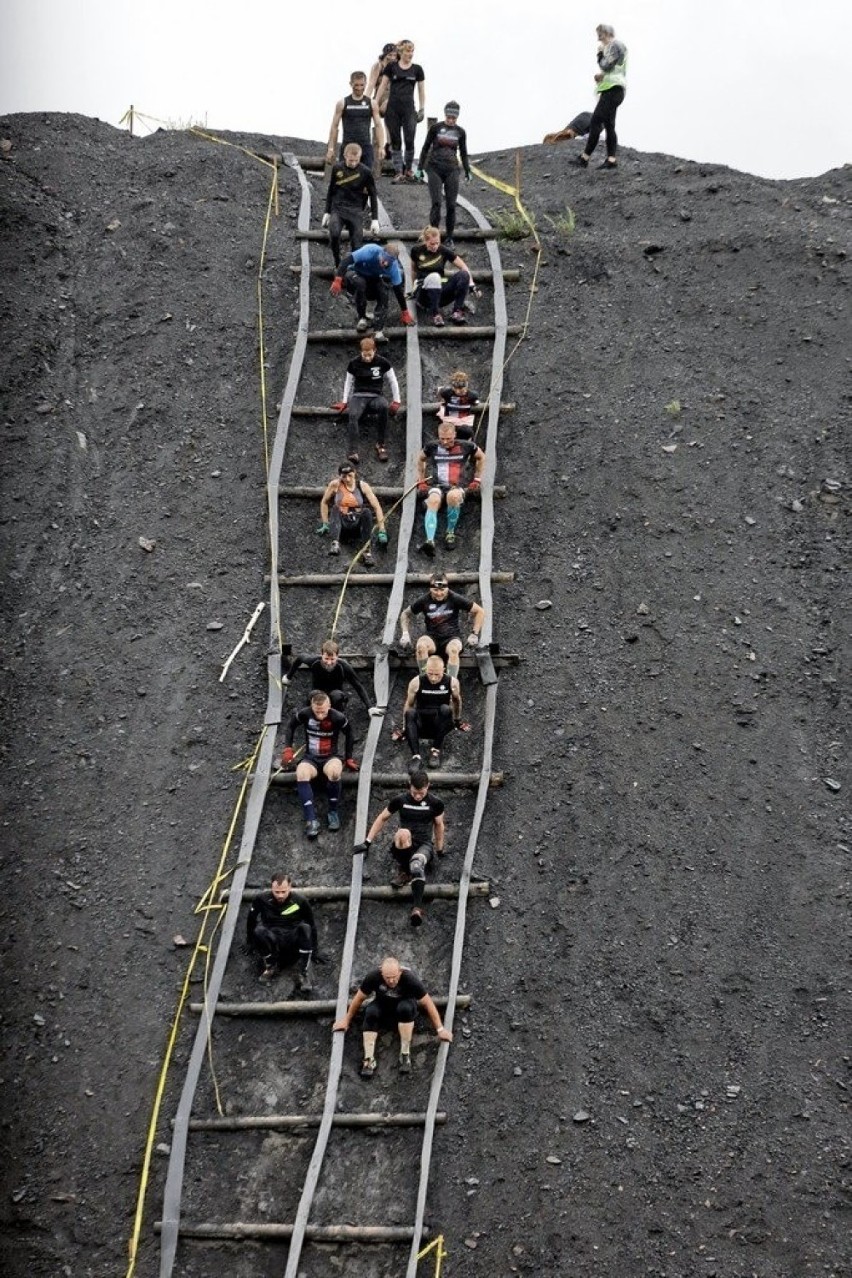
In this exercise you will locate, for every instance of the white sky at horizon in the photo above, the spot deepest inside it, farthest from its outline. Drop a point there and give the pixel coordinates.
(758, 84)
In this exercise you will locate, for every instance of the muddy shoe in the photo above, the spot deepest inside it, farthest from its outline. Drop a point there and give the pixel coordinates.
(416, 919)
(427, 548)
(458, 317)
(381, 452)
(404, 1063)
(362, 325)
(334, 548)
(304, 982)
(449, 539)
(312, 829)
(434, 757)
(333, 820)
(269, 973)
(367, 559)
(397, 734)
(368, 1067)
(415, 763)
(400, 878)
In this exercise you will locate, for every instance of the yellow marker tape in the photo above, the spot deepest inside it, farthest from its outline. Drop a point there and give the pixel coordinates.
(200, 948)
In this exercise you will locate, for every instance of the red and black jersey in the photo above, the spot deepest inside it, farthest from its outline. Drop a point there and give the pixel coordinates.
(448, 463)
(321, 735)
(442, 615)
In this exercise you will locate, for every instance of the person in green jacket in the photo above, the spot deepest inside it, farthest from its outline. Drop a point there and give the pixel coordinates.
(610, 80)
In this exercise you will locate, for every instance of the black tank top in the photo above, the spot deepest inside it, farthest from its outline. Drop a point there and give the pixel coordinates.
(357, 118)
(432, 695)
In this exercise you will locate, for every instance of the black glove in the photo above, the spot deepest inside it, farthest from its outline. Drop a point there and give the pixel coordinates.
(361, 849)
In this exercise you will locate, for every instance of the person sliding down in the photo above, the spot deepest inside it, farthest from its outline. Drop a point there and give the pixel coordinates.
(369, 274)
(447, 460)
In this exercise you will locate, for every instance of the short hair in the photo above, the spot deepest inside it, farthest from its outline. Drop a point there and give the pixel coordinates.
(367, 341)
(331, 648)
(352, 146)
(434, 661)
(281, 877)
(606, 28)
(318, 696)
(357, 75)
(457, 376)
(392, 250)
(418, 780)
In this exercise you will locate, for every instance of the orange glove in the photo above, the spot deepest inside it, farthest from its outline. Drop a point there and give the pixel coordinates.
(336, 286)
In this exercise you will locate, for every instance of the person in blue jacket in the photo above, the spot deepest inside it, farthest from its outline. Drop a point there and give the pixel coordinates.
(369, 274)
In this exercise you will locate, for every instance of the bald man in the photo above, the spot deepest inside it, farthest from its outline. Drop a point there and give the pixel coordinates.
(398, 992)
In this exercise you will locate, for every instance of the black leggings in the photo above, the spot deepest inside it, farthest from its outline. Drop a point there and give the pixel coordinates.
(354, 223)
(603, 117)
(446, 180)
(356, 527)
(431, 724)
(282, 945)
(401, 123)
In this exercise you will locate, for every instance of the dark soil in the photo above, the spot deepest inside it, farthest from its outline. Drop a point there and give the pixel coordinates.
(652, 1079)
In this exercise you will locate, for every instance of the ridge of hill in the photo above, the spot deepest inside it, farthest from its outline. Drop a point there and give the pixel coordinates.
(668, 957)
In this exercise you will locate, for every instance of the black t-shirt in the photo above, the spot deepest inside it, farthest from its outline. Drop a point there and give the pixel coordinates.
(325, 680)
(351, 189)
(368, 375)
(417, 815)
(409, 986)
(402, 82)
(442, 615)
(424, 261)
(443, 146)
(357, 119)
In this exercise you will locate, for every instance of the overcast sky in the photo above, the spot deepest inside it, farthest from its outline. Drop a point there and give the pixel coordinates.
(761, 85)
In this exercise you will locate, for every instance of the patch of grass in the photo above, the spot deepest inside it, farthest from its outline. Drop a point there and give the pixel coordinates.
(509, 224)
(565, 223)
(673, 408)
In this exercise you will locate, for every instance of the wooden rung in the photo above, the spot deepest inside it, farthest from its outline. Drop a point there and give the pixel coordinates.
(434, 892)
(450, 332)
(388, 494)
(366, 661)
(437, 780)
(511, 273)
(409, 233)
(387, 579)
(319, 410)
(287, 1122)
(301, 1007)
(314, 1233)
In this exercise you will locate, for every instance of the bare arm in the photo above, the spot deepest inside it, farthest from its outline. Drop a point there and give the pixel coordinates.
(477, 617)
(455, 696)
(478, 463)
(375, 505)
(428, 1005)
(461, 265)
(332, 133)
(351, 1012)
(421, 467)
(421, 94)
(379, 824)
(405, 623)
(438, 832)
(411, 694)
(326, 498)
(380, 129)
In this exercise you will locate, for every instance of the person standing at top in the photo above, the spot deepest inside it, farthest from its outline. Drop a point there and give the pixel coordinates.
(610, 80)
(350, 187)
(443, 151)
(389, 53)
(359, 115)
(395, 100)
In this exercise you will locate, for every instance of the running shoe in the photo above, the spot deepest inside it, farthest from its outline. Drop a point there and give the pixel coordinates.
(416, 918)
(333, 820)
(404, 1063)
(312, 829)
(368, 1067)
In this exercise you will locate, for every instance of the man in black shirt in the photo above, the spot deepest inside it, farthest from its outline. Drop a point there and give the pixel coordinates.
(281, 928)
(441, 610)
(432, 708)
(398, 992)
(322, 727)
(358, 114)
(328, 673)
(419, 838)
(362, 394)
(350, 187)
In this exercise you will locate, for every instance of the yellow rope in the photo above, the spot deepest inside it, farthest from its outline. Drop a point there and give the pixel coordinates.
(201, 947)
(441, 1253)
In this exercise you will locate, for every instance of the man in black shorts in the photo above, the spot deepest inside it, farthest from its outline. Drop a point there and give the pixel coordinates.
(418, 840)
(322, 727)
(441, 610)
(328, 673)
(399, 992)
(447, 460)
(280, 928)
(350, 187)
(432, 709)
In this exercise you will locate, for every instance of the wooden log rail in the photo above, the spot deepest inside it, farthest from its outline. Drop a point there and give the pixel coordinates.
(320, 410)
(364, 661)
(437, 780)
(481, 277)
(239, 1229)
(386, 579)
(293, 1122)
(434, 892)
(411, 234)
(450, 332)
(301, 1007)
(382, 491)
